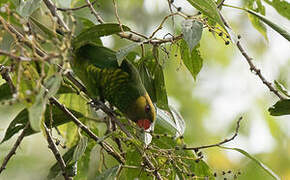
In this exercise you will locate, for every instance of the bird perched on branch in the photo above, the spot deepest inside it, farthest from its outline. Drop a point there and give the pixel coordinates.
(121, 86)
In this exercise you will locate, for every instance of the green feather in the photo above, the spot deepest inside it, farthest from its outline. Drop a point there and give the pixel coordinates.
(98, 69)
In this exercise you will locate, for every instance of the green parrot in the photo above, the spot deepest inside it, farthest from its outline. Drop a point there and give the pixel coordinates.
(121, 86)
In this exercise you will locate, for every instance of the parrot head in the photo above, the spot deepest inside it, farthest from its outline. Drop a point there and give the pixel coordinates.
(142, 112)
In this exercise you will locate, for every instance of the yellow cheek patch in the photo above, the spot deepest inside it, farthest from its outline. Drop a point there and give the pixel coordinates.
(141, 100)
(151, 106)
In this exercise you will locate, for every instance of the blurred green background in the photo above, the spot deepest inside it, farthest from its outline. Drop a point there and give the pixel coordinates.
(225, 89)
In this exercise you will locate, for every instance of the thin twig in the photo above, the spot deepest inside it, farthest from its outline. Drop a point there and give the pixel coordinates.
(76, 8)
(111, 114)
(162, 22)
(20, 37)
(131, 37)
(220, 4)
(14, 148)
(56, 153)
(117, 16)
(94, 12)
(4, 72)
(171, 11)
(220, 143)
(151, 166)
(258, 71)
(105, 145)
(52, 8)
(12, 56)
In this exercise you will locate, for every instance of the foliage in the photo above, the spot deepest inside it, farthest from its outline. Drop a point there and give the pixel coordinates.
(38, 42)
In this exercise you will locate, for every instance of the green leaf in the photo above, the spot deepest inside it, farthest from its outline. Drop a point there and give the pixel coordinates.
(208, 8)
(200, 168)
(21, 119)
(254, 19)
(263, 166)
(147, 79)
(37, 110)
(6, 42)
(26, 8)
(45, 29)
(281, 6)
(76, 103)
(274, 26)
(170, 122)
(9, 110)
(83, 164)
(93, 34)
(281, 108)
(192, 31)
(160, 89)
(5, 92)
(109, 174)
(96, 163)
(282, 89)
(55, 169)
(80, 149)
(191, 59)
(123, 52)
(151, 73)
(64, 4)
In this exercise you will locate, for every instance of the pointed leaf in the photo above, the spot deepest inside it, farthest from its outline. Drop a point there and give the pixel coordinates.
(282, 7)
(191, 59)
(37, 110)
(26, 8)
(21, 119)
(93, 34)
(208, 8)
(259, 163)
(160, 89)
(80, 149)
(285, 33)
(109, 174)
(123, 52)
(172, 122)
(254, 19)
(5, 92)
(45, 29)
(55, 169)
(281, 108)
(192, 31)
(282, 89)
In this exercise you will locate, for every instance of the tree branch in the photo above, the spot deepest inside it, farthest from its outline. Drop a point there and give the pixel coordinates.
(4, 71)
(258, 71)
(14, 148)
(220, 143)
(106, 146)
(251, 64)
(20, 37)
(12, 56)
(56, 153)
(220, 4)
(94, 12)
(52, 10)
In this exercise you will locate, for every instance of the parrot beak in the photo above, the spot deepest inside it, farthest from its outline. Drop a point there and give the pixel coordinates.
(144, 123)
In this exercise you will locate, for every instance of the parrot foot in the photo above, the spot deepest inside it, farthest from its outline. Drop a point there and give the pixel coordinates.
(94, 105)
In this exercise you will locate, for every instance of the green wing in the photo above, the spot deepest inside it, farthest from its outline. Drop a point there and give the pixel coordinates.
(98, 69)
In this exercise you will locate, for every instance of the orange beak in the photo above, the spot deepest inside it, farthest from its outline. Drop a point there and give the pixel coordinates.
(144, 123)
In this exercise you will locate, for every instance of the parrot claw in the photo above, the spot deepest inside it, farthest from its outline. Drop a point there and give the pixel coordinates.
(94, 105)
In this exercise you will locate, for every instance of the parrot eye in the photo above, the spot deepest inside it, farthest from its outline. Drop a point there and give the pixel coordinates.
(147, 108)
